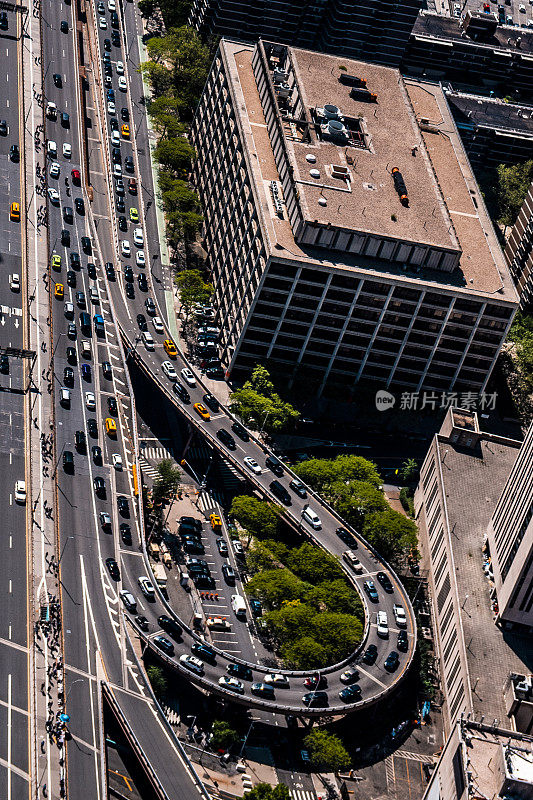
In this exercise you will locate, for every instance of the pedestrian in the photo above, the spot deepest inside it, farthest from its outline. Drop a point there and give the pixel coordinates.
(43, 684)
(43, 743)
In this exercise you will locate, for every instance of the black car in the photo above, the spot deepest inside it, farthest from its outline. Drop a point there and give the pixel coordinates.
(114, 19)
(347, 537)
(181, 392)
(68, 376)
(202, 580)
(142, 622)
(275, 465)
(3, 23)
(72, 356)
(65, 237)
(298, 488)
(80, 205)
(110, 95)
(226, 438)
(110, 271)
(141, 322)
(64, 26)
(65, 120)
(68, 461)
(14, 153)
(99, 486)
(216, 373)
(4, 364)
(75, 262)
(80, 299)
(169, 626)
(392, 661)
(130, 291)
(384, 579)
(193, 546)
(97, 454)
(241, 431)
(403, 641)
(86, 245)
(125, 532)
(122, 224)
(190, 522)
(370, 654)
(3, 124)
(370, 589)
(68, 216)
(150, 307)
(128, 164)
(106, 370)
(115, 38)
(113, 123)
(229, 574)
(143, 283)
(240, 671)
(112, 406)
(281, 493)
(107, 44)
(92, 427)
(71, 331)
(71, 278)
(121, 206)
(203, 651)
(123, 506)
(315, 699)
(211, 401)
(125, 114)
(351, 694)
(80, 441)
(58, 80)
(164, 644)
(91, 271)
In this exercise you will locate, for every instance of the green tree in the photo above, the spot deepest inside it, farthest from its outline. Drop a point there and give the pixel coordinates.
(158, 680)
(192, 289)
(259, 517)
(339, 634)
(326, 751)
(304, 653)
(146, 7)
(264, 791)
(260, 381)
(275, 586)
(271, 414)
(292, 621)
(521, 334)
(392, 534)
(336, 596)
(312, 564)
(513, 183)
(321, 473)
(165, 114)
(408, 472)
(223, 736)
(259, 557)
(355, 499)
(167, 481)
(176, 155)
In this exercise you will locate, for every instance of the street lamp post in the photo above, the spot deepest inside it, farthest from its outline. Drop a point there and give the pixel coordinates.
(246, 738)
(78, 680)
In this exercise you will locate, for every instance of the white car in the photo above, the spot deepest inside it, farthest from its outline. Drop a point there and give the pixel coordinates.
(55, 170)
(122, 84)
(138, 237)
(120, 68)
(111, 108)
(140, 259)
(51, 149)
(383, 624)
(399, 615)
(252, 464)
(90, 401)
(125, 248)
(229, 682)
(14, 282)
(192, 663)
(111, 5)
(102, 22)
(169, 371)
(67, 150)
(117, 170)
(115, 138)
(128, 600)
(522, 8)
(158, 325)
(117, 461)
(188, 377)
(53, 194)
(312, 518)
(277, 679)
(20, 492)
(218, 624)
(69, 310)
(146, 587)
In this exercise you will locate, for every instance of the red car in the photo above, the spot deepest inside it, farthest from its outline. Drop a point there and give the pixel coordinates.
(316, 681)
(132, 186)
(76, 178)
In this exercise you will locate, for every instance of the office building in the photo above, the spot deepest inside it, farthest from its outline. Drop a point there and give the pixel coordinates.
(374, 30)
(519, 252)
(510, 543)
(347, 238)
(461, 482)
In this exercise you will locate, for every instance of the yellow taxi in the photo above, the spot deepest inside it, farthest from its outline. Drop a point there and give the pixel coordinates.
(111, 427)
(14, 212)
(170, 348)
(56, 261)
(202, 411)
(126, 131)
(59, 291)
(215, 521)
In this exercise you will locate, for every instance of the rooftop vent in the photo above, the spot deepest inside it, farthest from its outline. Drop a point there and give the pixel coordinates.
(322, 201)
(340, 171)
(336, 130)
(314, 173)
(360, 93)
(328, 112)
(399, 185)
(279, 75)
(311, 158)
(282, 89)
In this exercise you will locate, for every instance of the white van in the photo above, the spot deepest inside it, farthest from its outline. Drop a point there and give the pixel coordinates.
(238, 605)
(148, 340)
(51, 149)
(312, 518)
(351, 559)
(86, 348)
(383, 624)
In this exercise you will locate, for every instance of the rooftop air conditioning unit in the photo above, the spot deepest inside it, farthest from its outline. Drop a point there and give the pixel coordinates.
(336, 130)
(340, 171)
(332, 112)
(282, 89)
(279, 75)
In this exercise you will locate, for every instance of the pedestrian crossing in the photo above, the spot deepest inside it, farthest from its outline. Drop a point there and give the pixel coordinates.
(147, 469)
(302, 794)
(156, 453)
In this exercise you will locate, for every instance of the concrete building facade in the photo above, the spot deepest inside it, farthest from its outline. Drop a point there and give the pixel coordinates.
(519, 252)
(510, 541)
(347, 238)
(375, 31)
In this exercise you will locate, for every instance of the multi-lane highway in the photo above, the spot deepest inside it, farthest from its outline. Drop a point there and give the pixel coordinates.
(14, 694)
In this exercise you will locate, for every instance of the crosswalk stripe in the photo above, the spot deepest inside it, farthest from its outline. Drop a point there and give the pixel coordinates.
(302, 794)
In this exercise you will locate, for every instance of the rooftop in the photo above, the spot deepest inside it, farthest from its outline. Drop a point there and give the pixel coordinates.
(492, 113)
(464, 419)
(445, 206)
(448, 28)
(472, 483)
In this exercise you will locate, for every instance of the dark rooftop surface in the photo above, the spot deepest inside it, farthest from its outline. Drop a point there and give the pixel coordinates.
(491, 113)
(440, 27)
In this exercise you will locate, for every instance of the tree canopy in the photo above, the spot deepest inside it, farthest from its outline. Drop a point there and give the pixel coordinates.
(392, 534)
(513, 182)
(275, 586)
(192, 289)
(326, 751)
(167, 481)
(264, 791)
(223, 736)
(260, 407)
(321, 473)
(259, 517)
